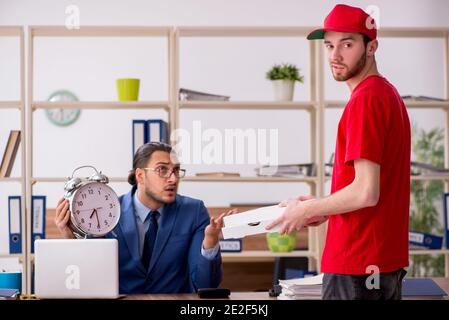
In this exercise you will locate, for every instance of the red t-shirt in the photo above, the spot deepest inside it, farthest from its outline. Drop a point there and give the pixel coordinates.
(374, 126)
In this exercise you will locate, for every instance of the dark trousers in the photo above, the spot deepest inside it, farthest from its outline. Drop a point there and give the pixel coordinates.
(363, 287)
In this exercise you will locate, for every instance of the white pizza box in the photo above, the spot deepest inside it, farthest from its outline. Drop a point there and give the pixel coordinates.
(251, 222)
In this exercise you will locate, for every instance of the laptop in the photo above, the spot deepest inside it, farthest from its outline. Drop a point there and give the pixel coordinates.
(76, 268)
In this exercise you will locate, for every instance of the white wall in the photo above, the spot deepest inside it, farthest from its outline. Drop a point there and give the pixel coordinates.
(232, 66)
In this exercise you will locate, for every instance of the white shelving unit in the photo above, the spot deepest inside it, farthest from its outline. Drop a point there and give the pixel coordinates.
(315, 107)
(17, 32)
(315, 238)
(85, 31)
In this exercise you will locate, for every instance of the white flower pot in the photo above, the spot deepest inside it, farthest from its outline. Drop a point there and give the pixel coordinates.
(283, 90)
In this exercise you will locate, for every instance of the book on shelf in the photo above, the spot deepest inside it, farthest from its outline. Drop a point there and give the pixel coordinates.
(252, 204)
(446, 217)
(189, 95)
(419, 168)
(288, 170)
(151, 130)
(217, 174)
(421, 240)
(421, 98)
(9, 156)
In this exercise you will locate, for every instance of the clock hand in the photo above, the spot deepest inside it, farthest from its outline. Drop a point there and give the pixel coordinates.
(95, 210)
(98, 220)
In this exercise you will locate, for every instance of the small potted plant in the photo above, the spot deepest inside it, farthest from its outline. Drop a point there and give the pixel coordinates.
(283, 77)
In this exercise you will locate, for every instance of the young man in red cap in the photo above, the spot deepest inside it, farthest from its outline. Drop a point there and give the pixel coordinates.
(368, 209)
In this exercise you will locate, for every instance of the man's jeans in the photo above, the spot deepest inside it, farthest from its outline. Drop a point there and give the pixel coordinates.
(354, 287)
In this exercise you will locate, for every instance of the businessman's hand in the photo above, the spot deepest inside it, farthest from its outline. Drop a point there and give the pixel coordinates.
(213, 230)
(62, 218)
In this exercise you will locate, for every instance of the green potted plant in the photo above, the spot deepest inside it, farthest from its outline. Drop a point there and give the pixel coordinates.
(283, 77)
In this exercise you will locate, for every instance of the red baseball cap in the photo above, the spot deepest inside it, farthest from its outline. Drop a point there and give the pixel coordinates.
(345, 18)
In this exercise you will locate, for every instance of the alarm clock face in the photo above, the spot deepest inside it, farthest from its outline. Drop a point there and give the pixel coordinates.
(95, 209)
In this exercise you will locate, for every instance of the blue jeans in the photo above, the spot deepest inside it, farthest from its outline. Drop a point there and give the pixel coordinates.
(354, 287)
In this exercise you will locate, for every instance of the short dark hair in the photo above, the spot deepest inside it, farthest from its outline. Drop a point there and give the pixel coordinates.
(143, 155)
(366, 39)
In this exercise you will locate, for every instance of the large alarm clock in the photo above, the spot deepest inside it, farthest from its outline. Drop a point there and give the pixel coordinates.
(94, 206)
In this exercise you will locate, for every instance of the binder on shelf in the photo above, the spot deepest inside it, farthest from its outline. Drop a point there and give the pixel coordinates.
(188, 94)
(425, 240)
(446, 217)
(152, 130)
(139, 134)
(12, 146)
(217, 174)
(15, 224)
(38, 209)
(157, 131)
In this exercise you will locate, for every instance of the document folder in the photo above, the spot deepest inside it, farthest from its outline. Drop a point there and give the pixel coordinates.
(421, 287)
(15, 224)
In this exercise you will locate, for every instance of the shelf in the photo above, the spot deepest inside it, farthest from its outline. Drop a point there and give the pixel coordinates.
(243, 31)
(99, 31)
(256, 105)
(336, 104)
(262, 255)
(396, 32)
(59, 179)
(301, 32)
(11, 179)
(10, 255)
(10, 31)
(249, 179)
(429, 177)
(429, 251)
(101, 105)
(193, 179)
(10, 105)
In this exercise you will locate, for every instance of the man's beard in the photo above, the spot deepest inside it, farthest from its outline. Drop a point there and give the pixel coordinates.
(155, 197)
(353, 71)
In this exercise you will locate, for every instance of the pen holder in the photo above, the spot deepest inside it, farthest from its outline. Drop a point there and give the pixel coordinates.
(281, 243)
(11, 280)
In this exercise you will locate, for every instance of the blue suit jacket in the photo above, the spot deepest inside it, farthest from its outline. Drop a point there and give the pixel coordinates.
(177, 265)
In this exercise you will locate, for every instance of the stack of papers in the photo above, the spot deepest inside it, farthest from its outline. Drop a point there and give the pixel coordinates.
(301, 288)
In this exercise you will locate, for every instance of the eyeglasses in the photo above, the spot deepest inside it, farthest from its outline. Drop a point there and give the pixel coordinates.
(165, 172)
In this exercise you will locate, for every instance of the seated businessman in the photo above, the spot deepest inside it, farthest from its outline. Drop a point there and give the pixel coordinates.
(167, 242)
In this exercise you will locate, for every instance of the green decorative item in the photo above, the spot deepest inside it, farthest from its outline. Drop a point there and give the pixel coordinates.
(285, 71)
(128, 89)
(62, 116)
(281, 243)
